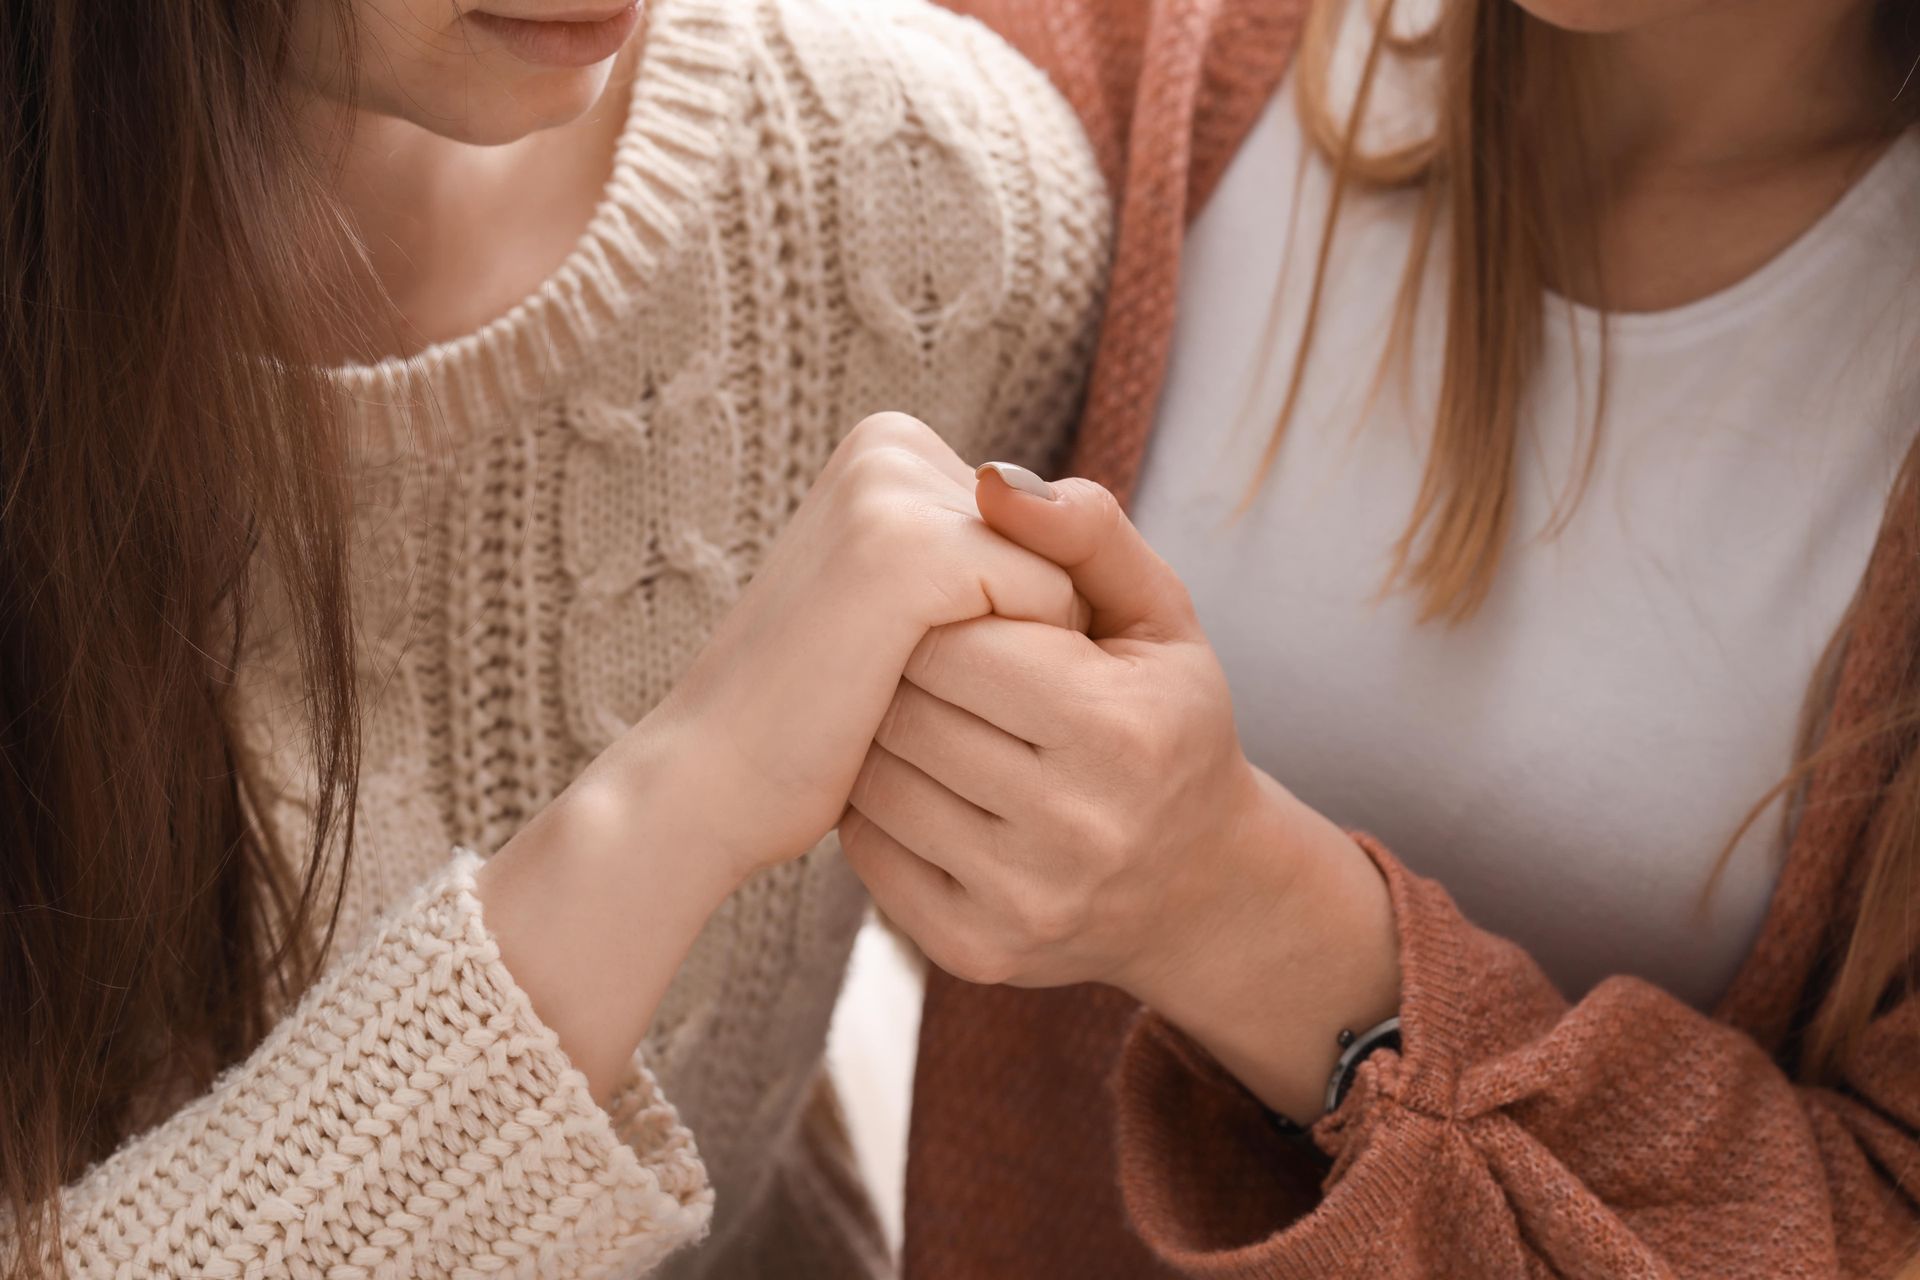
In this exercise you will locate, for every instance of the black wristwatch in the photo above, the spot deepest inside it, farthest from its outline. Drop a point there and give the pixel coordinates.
(1354, 1050)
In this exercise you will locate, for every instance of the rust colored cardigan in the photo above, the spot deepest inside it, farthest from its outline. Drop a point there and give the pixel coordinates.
(1068, 1134)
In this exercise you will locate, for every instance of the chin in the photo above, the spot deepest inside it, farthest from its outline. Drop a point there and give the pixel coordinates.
(496, 109)
(1604, 17)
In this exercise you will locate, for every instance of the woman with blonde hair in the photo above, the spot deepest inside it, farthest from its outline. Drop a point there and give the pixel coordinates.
(1520, 398)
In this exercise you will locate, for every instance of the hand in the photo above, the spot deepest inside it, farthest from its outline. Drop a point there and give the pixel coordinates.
(749, 760)
(1064, 798)
(767, 730)
(1043, 808)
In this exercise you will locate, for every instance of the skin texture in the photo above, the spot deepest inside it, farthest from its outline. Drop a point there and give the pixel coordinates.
(1046, 809)
(1043, 808)
(749, 761)
(464, 174)
(465, 177)
(1723, 129)
(420, 62)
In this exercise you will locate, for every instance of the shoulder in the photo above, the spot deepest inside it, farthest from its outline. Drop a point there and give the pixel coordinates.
(869, 58)
(966, 213)
(878, 83)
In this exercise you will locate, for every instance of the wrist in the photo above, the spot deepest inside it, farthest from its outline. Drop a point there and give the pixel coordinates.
(595, 904)
(674, 781)
(1295, 945)
(641, 835)
(1238, 884)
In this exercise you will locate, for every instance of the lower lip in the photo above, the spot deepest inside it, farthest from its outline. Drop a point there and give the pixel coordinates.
(561, 44)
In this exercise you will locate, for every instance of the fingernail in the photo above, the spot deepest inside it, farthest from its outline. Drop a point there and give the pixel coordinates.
(1018, 477)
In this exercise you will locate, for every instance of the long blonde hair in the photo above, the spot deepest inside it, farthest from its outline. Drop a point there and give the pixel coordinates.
(1496, 162)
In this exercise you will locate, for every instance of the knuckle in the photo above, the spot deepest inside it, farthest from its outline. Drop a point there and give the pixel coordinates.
(1054, 918)
(881, 471)
(974, 959)
(887, 499)
(876, 525)
(1161, 729)
(1099, 841)
(1124, 728)
(887, 428)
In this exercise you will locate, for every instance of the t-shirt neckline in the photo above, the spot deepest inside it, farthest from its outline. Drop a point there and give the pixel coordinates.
(1897, 168)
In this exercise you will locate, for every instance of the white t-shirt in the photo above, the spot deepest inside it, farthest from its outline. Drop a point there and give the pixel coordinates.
(1571, 761)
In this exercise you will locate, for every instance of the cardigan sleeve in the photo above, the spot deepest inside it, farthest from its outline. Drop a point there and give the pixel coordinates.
(411, 1117)
(1517, 1134)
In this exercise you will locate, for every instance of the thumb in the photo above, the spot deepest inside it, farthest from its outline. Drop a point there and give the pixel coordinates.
(1079, 526)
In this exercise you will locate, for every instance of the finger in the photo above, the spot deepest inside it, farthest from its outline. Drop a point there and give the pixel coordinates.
(939, 826)
(1081, 528)
(922, 899)
(902, 463)
(1024, 678)
(998, 577)
(975, 760)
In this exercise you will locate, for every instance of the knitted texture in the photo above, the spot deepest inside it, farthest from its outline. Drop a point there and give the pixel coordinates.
(818, 209)
(412, 1117)
(1166, 90)
(1516, 1134)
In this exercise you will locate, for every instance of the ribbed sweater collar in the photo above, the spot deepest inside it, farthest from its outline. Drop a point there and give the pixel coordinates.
(685, 95)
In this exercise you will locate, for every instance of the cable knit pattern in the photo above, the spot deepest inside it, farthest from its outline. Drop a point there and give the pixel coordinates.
(411, 1118)
(818, 209)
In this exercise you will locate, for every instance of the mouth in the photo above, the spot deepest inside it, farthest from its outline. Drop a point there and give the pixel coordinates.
(576, 38)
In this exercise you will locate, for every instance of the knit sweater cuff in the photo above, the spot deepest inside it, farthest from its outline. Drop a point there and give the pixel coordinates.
(411, 1117)
(1213, 1189)
(605, 1191)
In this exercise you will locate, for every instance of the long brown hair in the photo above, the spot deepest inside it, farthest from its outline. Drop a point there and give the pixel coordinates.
(162, 433)
(1498, 159)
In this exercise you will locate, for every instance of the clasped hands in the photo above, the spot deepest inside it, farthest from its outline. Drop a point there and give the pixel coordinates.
(1043, 807)
(1052, 790)
(1006, 705)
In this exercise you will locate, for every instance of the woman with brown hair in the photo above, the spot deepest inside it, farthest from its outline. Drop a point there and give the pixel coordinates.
(1533, 464)
(396, 396)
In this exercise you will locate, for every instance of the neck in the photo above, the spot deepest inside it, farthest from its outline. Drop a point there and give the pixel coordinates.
(1737, 84)
(393, 183)
(437, 236)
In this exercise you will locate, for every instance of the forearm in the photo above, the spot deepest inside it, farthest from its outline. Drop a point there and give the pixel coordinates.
(1299, 947)
(410, 1116)
(1507, 1104)
(750, 759)
(596, 902)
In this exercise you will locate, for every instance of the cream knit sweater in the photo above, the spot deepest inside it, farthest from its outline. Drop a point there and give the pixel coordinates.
(819, 208)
